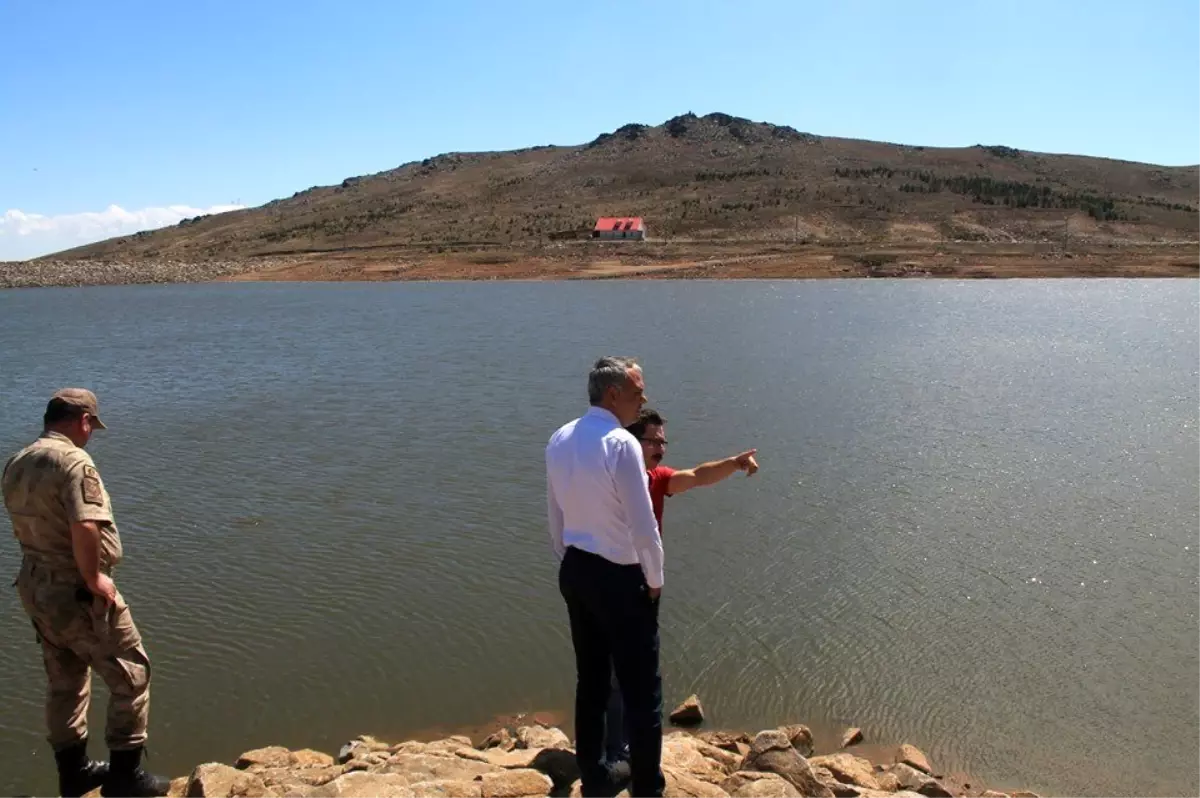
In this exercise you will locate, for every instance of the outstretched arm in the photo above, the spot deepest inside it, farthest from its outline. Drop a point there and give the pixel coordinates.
(712, 472)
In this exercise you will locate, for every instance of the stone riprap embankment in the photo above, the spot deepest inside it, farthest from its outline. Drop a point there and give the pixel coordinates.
(539, 760)
(46, 273)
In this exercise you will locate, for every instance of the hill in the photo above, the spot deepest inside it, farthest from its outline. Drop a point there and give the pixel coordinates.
(714, 181)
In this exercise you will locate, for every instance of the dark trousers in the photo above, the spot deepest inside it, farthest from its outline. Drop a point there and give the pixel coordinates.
(614, 628)
(616, 737)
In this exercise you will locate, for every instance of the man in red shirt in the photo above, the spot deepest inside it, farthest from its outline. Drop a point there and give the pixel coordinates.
(650, 429)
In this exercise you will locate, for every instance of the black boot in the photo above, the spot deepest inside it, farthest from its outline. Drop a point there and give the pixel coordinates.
(126, 777)
(76, 773)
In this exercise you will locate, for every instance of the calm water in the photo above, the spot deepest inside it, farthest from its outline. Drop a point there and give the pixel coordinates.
(975, 527)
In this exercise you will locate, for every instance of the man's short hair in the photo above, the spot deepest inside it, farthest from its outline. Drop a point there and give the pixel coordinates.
(57, 412)
(647, 418)
(608, 372)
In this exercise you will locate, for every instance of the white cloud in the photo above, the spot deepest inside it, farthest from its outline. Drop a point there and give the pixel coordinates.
(28, 235)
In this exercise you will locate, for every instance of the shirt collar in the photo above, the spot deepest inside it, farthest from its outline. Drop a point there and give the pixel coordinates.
(600, 412)
(56, 436)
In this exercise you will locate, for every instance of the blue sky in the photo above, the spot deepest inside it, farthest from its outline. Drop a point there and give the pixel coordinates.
(116, 116)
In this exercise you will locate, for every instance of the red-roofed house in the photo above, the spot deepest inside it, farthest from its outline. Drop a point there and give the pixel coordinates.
(612, 228)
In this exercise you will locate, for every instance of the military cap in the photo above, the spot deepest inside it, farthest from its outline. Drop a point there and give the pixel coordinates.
(81, 398)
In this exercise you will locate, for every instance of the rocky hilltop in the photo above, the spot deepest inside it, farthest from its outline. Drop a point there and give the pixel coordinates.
(712, 177)
(538, 760)
(721, 196)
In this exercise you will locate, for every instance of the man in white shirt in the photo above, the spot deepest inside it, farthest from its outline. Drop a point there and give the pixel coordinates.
(602, 528)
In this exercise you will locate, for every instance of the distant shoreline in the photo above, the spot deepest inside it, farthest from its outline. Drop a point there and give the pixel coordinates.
(659, 261)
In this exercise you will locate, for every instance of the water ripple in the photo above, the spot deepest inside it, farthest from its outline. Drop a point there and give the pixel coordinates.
(969, 531)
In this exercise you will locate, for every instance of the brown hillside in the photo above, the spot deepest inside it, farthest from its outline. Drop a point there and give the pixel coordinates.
(710, 179)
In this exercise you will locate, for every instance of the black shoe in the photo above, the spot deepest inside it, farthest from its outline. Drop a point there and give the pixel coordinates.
(618, 777)
(126, 777)
(615, 755)
(76, 773)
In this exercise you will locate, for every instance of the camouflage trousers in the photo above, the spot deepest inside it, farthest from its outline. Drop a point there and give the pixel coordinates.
(77, 633)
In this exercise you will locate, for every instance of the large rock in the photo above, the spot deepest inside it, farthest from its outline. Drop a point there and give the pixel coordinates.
(742, 778)
(768, 741)
(498, 757)
(993, 794)
(772, 752)
(437, 767)
(909, 777)
(752, 784)
(557, 763)
(515, 784)
(726, 740)
(911, 755)
(364, 785)
(178, 788)
(851, 736)
(501, 738)
(1024, 794)
(371, 761)
(800, 737)
(476, 755)
(935, 789)
(283, 769)
(694, 756)
(887, 781)
(838, 789)
(681, 784)
(914, 780)
(359, 747)
(216, 780)
(848, 769)
(291, 780)
(308, 758)
(447, 789)
(728, 760)
(689, 713)
(372, 743)
(541, 737)
(273, 756)
(448, 746)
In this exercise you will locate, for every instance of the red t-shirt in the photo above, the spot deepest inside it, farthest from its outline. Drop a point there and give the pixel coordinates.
(660, 480)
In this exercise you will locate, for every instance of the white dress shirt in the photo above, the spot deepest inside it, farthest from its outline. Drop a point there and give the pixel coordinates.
(598, 495)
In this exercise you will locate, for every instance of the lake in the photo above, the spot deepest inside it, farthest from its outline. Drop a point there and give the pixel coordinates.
(975, 527)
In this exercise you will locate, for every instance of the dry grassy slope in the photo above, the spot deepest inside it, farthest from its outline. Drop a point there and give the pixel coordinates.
(701, 177)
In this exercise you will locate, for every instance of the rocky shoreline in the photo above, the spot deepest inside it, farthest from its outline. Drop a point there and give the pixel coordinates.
(520, 761)
(74, 273)
(729, 260)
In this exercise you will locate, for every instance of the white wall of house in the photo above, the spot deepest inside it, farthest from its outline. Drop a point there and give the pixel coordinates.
(617, 235)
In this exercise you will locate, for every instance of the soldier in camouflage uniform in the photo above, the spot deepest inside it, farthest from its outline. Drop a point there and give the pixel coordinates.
(62, 518)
